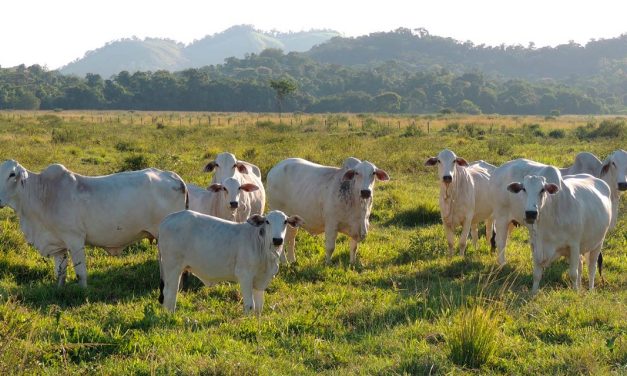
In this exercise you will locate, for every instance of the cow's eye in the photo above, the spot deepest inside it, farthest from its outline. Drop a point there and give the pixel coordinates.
(285, 222)
(267, 222)
(542, 191)
(438, 161)
(12, 175)
(523, 189)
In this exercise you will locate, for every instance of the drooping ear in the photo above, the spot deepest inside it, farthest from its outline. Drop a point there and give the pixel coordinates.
(431, 161)
(210, 166)
(20, 174)
(461, 161)
(241, 167)
(349, 175)
(215, 187)
(295, 221)
(381, 175)
(248, 187)
(605, 168)
(515, 187)
(551, 188)
(256, 220)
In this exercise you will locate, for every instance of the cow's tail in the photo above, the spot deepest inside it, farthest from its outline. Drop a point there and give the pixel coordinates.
(493, 239)
(161, 283)
(600, 265)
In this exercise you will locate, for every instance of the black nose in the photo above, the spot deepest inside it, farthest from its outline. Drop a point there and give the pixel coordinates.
(234, 204)
(622, 186)
(366, 193)
(277, 241)
(531, 216)
(447, 178)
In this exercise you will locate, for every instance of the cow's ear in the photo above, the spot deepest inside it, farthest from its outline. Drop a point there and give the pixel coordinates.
(248, 187)
(295, 221)
(515, 187)
(241, 167)
(349, 175)
(605, 168)
(20, 174)
(551, 188)
(215, 187)
(431, 161)
(461, 161)
(256, 220)
(381, 175)
(210, 166)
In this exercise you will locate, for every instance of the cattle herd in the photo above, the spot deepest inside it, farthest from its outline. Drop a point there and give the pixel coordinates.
(220, 233)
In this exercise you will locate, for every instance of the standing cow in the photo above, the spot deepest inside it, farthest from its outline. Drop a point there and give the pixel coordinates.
(614, 172)
(216, 250)
(464, 197)
(62, 211)
(230, 199)
(329, 199)
(585, 163)
(570, 219)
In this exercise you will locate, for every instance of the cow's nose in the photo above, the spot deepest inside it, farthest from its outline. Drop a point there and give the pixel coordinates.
(622, 186)
(447, 178)
(531, 216)
(234, 204)
(277, 241)
(366, 193)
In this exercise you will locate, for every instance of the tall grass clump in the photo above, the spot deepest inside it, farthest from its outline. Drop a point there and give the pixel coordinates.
(472, 337)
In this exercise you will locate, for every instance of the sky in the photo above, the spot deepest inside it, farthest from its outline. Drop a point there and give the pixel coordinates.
(53, 33)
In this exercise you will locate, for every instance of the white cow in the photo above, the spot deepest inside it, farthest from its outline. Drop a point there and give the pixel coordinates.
(614, 172)
(217, 250)
(568, 220)
(227, 166)
(225, 200)
(585, 163)
(507, 210)
(62, 211)
(329, 199)
(464, 197)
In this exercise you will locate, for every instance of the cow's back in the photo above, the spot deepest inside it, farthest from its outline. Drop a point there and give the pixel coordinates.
(591, 198)
(481, 182)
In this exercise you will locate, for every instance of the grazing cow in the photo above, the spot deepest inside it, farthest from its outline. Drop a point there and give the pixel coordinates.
(464, 197)
(227, 166)
(217, 250)
(329, 199)
(507, 210)
(62, 211)
(585, 163)
(225, 200)
(568, 220)
(614, 172)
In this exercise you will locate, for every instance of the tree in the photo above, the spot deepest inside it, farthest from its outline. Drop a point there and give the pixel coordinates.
(283, 88)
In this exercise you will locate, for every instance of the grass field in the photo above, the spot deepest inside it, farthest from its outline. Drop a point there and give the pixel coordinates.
(408, 309)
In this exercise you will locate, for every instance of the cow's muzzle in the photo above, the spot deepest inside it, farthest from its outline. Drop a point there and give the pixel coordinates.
(447, 179)
(531, 216)
(234, 204)
(366, 193)
(622, 186)
(277, 241)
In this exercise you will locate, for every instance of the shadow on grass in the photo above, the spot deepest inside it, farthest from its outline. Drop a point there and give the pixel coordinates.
(422, 215)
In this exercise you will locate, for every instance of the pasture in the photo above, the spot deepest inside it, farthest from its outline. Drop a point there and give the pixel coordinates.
(406, 309)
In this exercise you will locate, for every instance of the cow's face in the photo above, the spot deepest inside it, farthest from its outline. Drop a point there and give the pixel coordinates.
(274, 224)
(446, 162)
(232, 189)
(534, 190)
(614, 170)
(226, 165)
(11, 175)
(363, 176)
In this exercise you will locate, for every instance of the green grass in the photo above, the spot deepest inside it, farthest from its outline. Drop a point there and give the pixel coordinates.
(401, 312)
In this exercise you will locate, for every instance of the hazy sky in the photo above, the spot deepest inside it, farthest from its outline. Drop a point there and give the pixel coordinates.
(55, 32)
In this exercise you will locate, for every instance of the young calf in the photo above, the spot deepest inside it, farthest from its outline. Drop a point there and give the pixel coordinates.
(464, 197)
(216, 250)
(227, 200)
(569, 221)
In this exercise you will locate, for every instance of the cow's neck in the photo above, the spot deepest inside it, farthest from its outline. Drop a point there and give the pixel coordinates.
(29, 196)
(449, 193)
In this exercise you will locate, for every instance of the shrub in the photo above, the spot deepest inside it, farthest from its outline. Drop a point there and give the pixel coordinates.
(557, 133)
(499, 146)
(472, 337)
(135, 162)
(50, 120)
(62, 135)
(608, 128)
(451, 127)
(413, 131)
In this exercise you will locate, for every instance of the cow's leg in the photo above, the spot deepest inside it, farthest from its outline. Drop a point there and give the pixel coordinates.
(60, 267)
(246, 289)
(573, 267)
(290, 243)
(330, 235)
(502, 231)
(450, 239)
(474, 232)
(353, 251)
(488, 232)
(463, 238)
(580, 270)
(258, 301)
(593, 256)
(80, 264)
(171, 280)
(537, 276)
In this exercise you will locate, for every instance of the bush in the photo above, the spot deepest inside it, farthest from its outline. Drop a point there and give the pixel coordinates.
(413, 131)
(472, 337)
(451, 127)
(134, 163)
(499, 146)
(50, 120)
(62, 135)
(557, 133)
